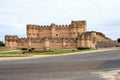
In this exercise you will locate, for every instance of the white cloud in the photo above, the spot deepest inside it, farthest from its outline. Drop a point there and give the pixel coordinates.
(18, 13)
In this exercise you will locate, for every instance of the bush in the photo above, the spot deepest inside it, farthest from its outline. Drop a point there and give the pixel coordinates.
(23, 48)
(32, 49)
(1, 43)
(118, 40)
(117, 45)
(82, 48)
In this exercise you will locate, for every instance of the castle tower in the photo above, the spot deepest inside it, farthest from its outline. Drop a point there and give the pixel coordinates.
(63, 42)
(74, 29)
(81, 26)
(36, 31)
(28, 30)
(53, 32)
(46, 44)
(77, 28)
(84, 26)
(93, 39)
(11, 41)
(29, 43)
(32, 31)
(82, 42)
(88, 43)
(78, 42)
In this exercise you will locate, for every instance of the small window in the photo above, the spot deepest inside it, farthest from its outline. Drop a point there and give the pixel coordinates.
(56, 34)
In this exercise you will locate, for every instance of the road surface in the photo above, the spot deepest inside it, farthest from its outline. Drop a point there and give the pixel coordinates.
(70, 67)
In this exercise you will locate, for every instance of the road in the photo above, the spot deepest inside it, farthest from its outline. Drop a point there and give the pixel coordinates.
(70, 67)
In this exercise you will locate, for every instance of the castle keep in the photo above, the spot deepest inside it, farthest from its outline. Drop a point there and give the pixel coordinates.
(55, 36)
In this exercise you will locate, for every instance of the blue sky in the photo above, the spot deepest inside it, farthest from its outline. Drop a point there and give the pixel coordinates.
(101, 15)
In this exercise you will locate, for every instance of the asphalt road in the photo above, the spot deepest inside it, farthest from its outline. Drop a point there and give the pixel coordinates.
(72, 67)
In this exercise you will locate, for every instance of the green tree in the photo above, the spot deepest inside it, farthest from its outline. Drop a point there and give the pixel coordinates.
(118, 40)
(1, 43)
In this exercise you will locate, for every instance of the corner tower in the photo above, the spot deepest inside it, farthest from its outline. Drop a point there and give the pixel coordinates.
(78, 27)
(11, 41)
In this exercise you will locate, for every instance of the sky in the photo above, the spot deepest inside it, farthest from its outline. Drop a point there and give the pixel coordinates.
(101, 15)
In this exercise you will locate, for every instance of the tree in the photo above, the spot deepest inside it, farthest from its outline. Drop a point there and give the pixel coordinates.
(118, 40)
(1, 43)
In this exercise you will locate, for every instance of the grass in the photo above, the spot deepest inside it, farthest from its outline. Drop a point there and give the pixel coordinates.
(20, 53)
(58, 52)
(11, 54)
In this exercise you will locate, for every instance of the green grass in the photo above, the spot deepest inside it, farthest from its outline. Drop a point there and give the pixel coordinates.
(20, 53)
(11, 54)
(58, 52)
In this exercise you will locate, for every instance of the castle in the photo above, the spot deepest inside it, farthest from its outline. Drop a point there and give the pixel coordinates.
(55, 36)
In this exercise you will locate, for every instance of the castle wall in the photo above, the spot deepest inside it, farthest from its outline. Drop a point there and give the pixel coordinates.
(59, 43)
(63, 32)
(101, 38)
(52, 43)
(44, 33)
(55, 36)
(37, 45)
(22, 45)
(72, 30)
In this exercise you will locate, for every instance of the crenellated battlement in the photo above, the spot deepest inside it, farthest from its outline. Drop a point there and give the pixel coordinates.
(54, 30)
(22, 40)
(11, 37)
(63, 26)
(78, 23)
(33, 26)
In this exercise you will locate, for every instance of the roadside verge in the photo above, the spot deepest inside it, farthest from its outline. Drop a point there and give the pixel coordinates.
(43, 56)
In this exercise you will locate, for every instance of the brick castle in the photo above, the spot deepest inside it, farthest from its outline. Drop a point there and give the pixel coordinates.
(55, 36)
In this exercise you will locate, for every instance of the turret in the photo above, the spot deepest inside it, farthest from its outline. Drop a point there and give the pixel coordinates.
(46, 44)
(11, 41)
(82, 38)
(32, 31)
(53, 32)
(74, 24)
(77, 28)
(88, 43)
(93, 39)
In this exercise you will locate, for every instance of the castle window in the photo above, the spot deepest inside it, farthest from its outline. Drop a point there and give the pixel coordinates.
(29, 34)
(56, 34)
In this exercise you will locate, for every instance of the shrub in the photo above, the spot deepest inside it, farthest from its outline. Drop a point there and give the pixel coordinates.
(118, 40)
(23, 48)
(1, 43)
(32, 49)
(82, 48)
